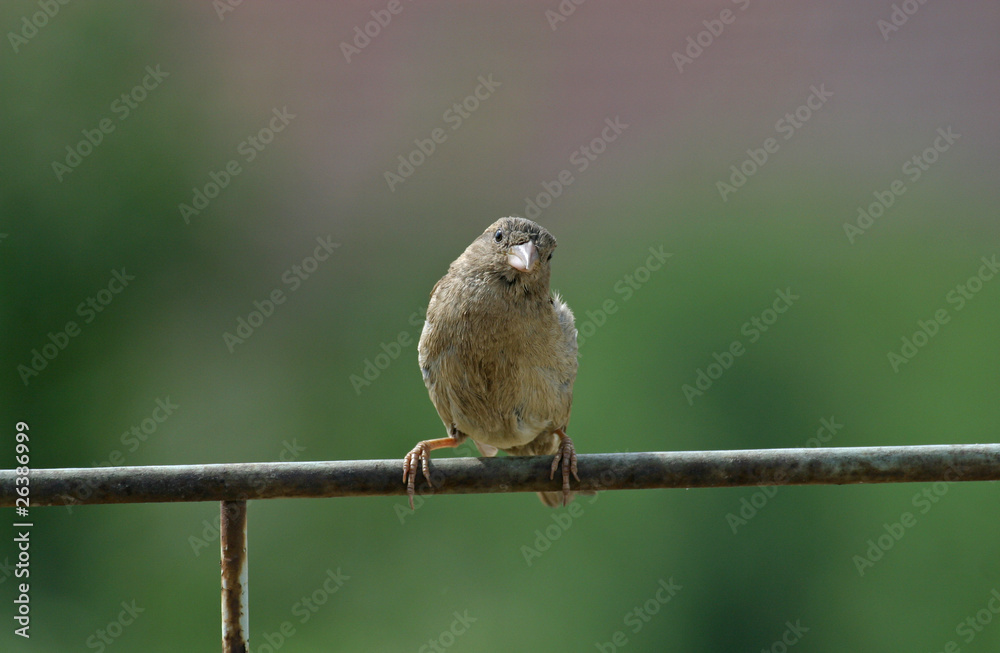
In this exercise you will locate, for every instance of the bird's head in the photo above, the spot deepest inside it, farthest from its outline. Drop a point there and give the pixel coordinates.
(515, 250)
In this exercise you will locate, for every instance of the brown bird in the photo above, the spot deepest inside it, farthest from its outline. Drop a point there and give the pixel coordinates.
(498, 354)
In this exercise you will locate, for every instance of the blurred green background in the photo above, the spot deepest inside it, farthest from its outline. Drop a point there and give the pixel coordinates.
(287, 393)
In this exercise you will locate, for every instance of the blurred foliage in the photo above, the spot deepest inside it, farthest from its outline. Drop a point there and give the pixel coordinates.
(287, 390)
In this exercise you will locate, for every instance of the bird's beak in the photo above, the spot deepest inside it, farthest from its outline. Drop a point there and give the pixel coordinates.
(523, 257)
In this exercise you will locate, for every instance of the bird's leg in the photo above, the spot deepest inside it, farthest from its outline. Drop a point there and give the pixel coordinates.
(420, 458)
(567, 454)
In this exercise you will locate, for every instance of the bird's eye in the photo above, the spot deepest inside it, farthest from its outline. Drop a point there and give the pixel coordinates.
(498, 236)
(549, 258)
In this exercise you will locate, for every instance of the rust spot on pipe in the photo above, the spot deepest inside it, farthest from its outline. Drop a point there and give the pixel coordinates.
(233, 531)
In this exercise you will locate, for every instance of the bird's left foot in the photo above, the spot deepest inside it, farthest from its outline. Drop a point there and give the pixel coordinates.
(567, 455)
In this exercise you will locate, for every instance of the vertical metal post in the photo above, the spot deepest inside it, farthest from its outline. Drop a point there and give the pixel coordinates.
(235, 593)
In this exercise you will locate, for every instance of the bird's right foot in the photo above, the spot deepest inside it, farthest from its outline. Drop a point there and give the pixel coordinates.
(419, 459)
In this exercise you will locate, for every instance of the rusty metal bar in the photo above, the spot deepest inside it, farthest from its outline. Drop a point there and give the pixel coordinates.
(235, 590)
(620, 471)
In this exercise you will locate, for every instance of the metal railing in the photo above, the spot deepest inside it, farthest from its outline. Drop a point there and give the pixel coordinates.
(235, 484)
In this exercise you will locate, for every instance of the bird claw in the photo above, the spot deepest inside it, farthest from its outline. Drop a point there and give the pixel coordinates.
(567, 455)
(418, 459)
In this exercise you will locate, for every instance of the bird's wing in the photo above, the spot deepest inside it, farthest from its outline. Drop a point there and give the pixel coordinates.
(434, 289)
(568, 325)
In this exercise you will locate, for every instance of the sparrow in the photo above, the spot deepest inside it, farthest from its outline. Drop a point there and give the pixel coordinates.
(498, 354)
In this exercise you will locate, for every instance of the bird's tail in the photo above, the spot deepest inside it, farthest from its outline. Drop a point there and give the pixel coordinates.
(554, 499)
(543, 446)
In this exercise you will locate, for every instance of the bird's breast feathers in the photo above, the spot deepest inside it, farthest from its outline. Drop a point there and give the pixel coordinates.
(502, 379)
